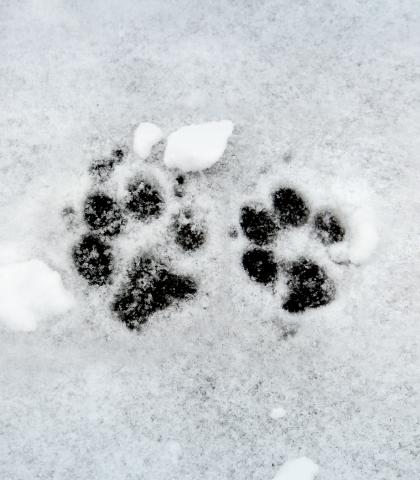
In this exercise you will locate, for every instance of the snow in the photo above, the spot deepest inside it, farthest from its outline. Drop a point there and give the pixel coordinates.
(145, 136)
(324, 97)
(302, 468)
(362, 239)
(277, 412)
(197, 147)
(31, 292)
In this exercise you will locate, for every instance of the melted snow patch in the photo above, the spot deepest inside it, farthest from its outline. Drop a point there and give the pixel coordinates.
(302, 468)
(197, 147)
(145, 136)
(30, 291)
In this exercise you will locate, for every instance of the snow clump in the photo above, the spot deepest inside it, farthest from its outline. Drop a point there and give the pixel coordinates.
(30, 291)
(197, 147)
(302, 468)
(145, 136)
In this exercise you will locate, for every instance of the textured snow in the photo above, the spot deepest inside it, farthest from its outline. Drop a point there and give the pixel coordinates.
(324, 97)
(298, 469)
(197, 147)
(30, 292)
(145, 136)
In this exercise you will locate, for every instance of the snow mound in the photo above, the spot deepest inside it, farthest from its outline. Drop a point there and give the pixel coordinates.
(145, 136)
(197, 147)
(302, 468)
(30, 291)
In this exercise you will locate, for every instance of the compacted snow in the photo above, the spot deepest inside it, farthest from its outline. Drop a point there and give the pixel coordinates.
(227, 377)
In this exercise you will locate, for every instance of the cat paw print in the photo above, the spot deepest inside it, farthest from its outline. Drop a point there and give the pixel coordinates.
(308, 283)
(149, 283)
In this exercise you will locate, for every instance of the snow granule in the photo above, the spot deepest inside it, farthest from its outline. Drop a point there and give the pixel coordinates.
(302, 468)
(30, 291)
(197, 147)
(145, 136)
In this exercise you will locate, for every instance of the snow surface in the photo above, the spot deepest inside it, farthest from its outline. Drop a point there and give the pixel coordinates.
(324, 97)
(31, 292)
(277, 413)
(298, 469)
(145, 136)
(197, 147)
(362, 238)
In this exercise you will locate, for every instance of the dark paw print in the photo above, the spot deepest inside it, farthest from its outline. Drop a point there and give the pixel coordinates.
(259, 225)
(309, 286)
(93, 259)
(308, 283)
(145, 202)
(260, 265)
(102, 168)
(149, 285)
(189, 234)
(103, 215)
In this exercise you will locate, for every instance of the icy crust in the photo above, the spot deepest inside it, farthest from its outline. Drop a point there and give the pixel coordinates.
(302, 468)
(30, 292)
(197, 147)
(145, 136)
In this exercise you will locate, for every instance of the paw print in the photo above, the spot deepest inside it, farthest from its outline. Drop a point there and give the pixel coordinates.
(126, 205)
(149, 283)
(308, 283)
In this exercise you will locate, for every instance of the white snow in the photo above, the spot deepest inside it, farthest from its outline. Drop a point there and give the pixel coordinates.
(302, 468)
(340, 128)
(145, 136)
(277, 413)
(30, 292)
(197, 147)
(362, 239)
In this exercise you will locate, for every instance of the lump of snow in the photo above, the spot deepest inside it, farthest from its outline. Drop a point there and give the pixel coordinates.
(302, 468)
(197, 147)
(145, 136)
(30, 291)
(277, 413)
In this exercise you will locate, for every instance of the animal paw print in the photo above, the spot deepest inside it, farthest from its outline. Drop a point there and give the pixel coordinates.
(308, 283)
(149, 284)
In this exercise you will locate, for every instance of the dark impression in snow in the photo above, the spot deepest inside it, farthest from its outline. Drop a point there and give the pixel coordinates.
(102, 168)
(189, 234)
(258, 224)
(309, 286)
(260, 265)
(145, 202)
(103, 214)
(308, 283)
(93, 259)
(290, 207)
(150, 286)
(328, 227)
